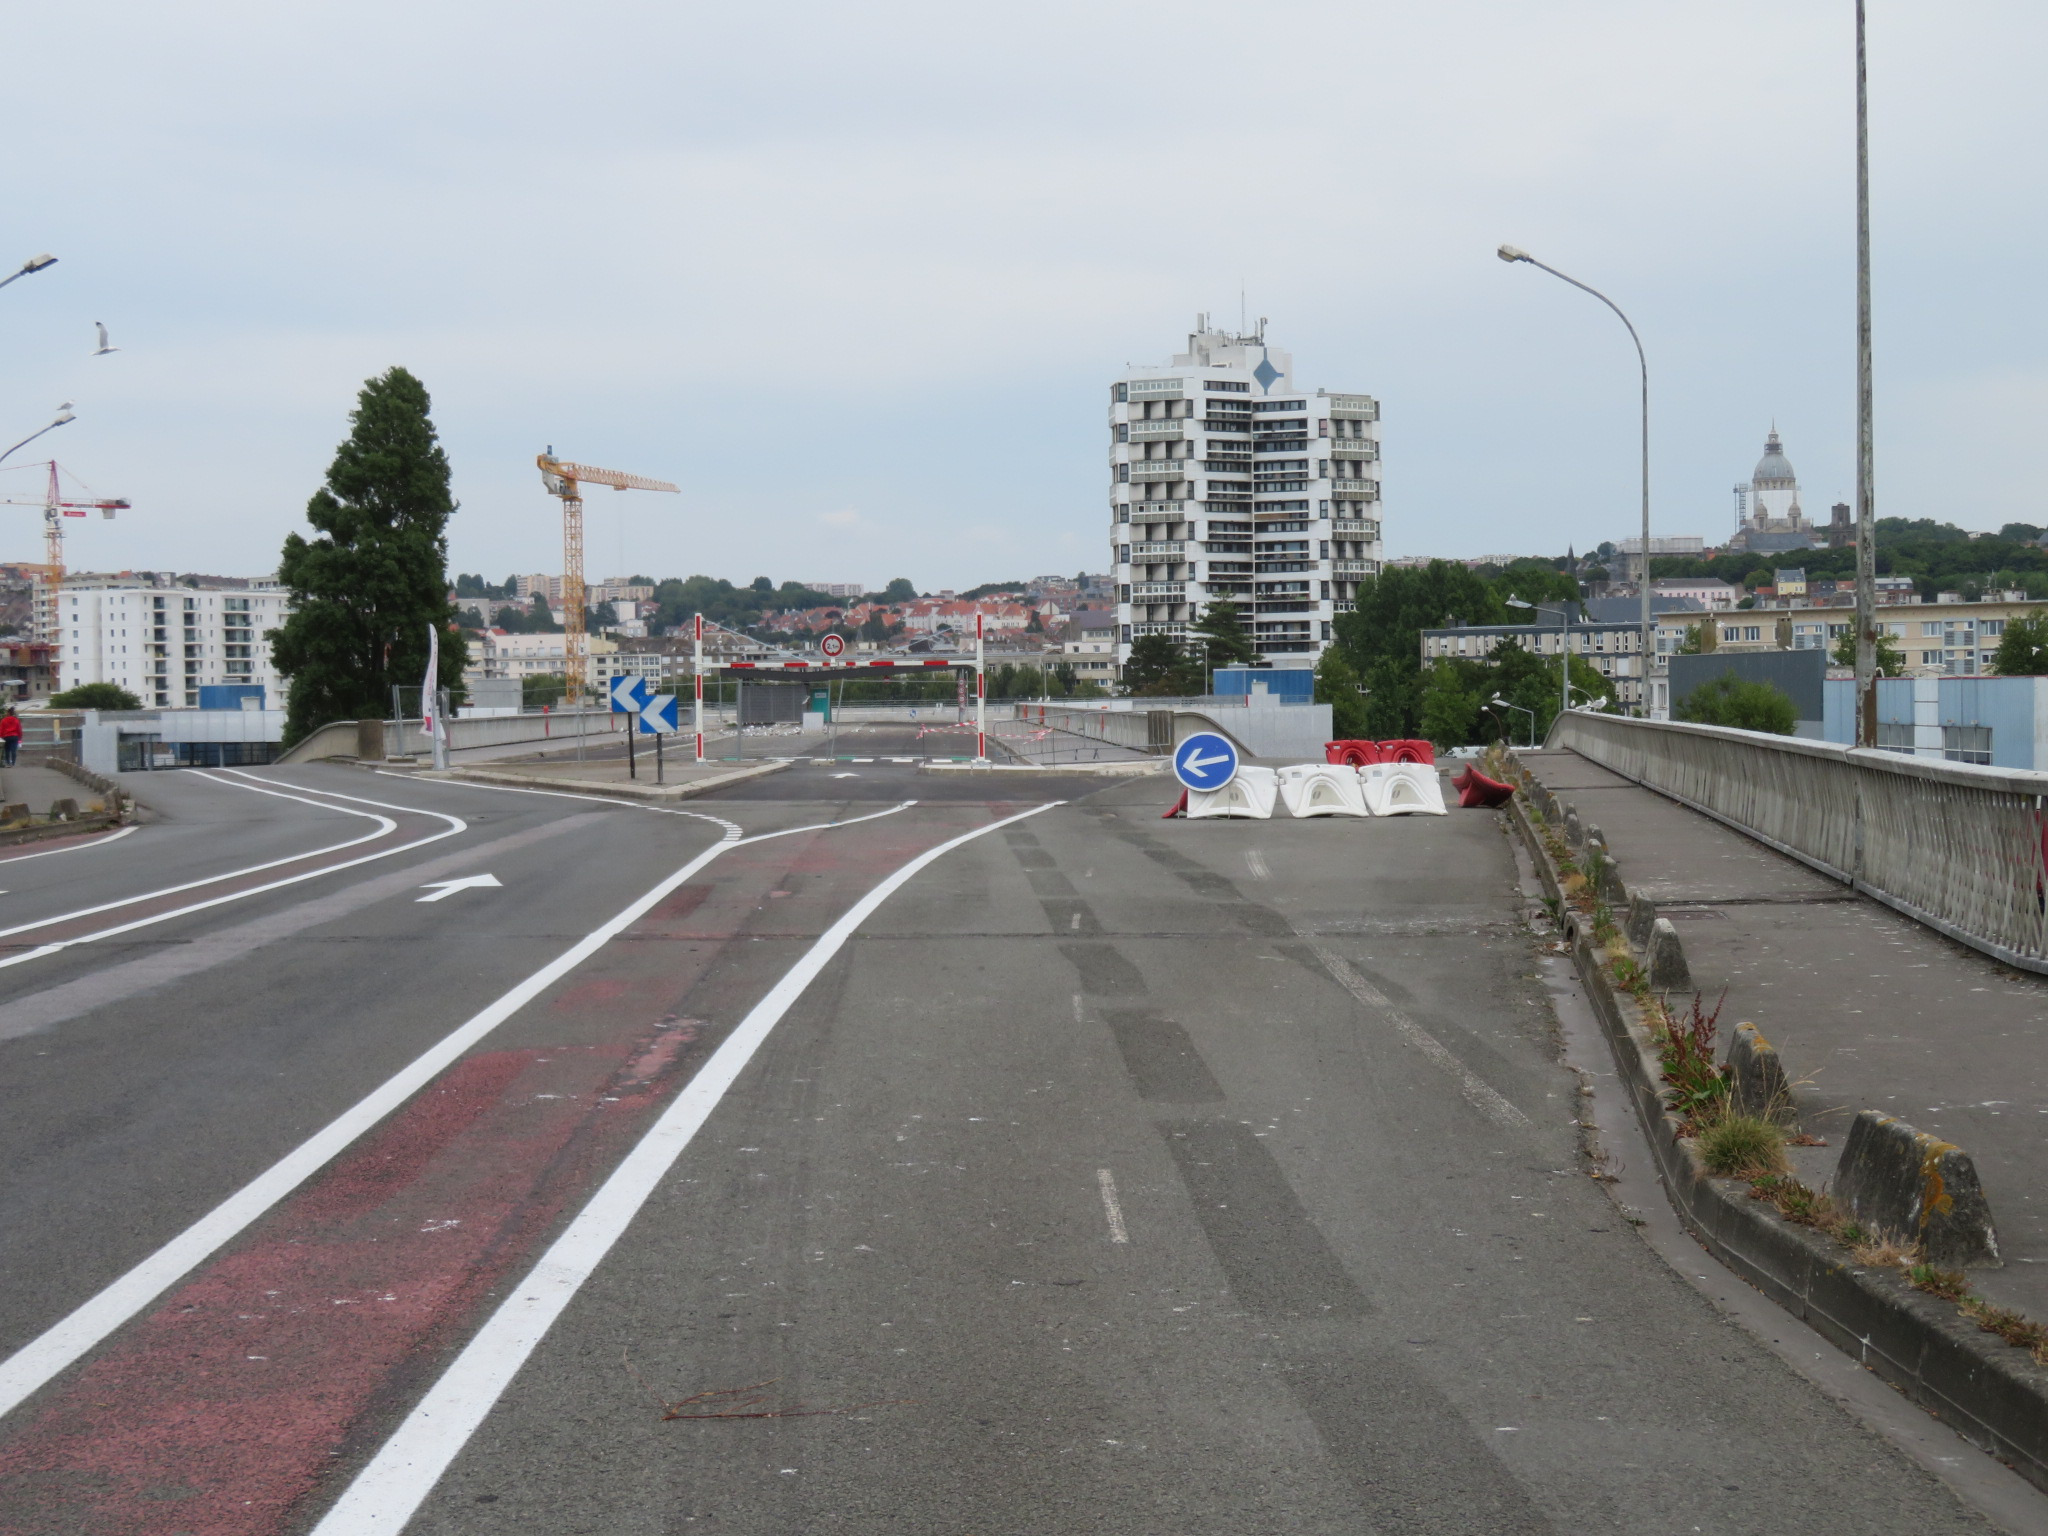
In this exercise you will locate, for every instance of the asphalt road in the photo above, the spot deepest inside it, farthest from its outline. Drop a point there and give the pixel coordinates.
(978, 1167)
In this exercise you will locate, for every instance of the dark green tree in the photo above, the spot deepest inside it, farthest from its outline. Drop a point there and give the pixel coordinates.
(1734, 701)
(372, 581)
(95, 696)
(1337, 686)
(1891, 658)
(2022, 649)
(898, 591)
(1221, 631)
(1382, 637)
(1154, 662)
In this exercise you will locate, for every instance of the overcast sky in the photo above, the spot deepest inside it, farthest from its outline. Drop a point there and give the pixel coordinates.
(856, 276)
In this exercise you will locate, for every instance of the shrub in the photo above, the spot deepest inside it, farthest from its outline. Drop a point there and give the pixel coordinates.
(1742, 1147)
(95, 696)
(1733, 701)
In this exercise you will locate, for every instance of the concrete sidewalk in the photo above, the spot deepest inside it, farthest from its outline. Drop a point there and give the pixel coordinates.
(1868, 1009)
(38, 787)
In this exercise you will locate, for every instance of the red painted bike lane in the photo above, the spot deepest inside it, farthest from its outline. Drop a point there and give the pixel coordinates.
(278, 1365)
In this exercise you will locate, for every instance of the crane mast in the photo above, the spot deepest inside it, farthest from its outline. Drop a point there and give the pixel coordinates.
(565, 480)
(55, 510)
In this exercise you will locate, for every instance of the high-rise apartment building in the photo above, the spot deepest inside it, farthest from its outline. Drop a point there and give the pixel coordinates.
(1228, 482)
(164, 643)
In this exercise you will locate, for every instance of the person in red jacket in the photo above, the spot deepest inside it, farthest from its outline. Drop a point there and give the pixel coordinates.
(10, 734)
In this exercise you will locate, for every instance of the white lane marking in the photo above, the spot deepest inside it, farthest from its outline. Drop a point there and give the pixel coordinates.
(847, 775)
(1255, 861)
(443, 889)
(61, 1345)
(1477, 1093)
(386, 1493)
(98, 842)
(1074, 921)
(384, 824)
(732, 827)
(455, 824)
(1115, 1213)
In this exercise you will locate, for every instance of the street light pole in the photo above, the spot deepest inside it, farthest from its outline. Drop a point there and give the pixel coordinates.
(64, 415)
(1866, 492)
(1511, 253)
(1564, 663)
(33, 264)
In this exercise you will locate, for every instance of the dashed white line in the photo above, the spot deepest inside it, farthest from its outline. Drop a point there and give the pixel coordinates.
(1106, 1181)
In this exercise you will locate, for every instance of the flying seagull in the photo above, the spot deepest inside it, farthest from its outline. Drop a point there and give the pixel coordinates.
(104, 348)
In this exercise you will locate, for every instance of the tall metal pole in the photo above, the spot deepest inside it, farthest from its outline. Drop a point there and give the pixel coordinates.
(697, 666)
(1564, 698)
(1866, 493)
(980, 694)
(1511, 253)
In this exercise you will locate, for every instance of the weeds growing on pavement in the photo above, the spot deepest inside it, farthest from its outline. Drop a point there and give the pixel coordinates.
(1879, 1250)
(1948, 1284)
(1699, 1085)
(1742, 1147)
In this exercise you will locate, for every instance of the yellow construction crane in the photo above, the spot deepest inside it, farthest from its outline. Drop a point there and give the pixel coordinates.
(567, 480)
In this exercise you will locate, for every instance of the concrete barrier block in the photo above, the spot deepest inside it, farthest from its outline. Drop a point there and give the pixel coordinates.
(1668, 970)
(1610, 888)
(1914, 1186)
(1595, 835)
(370, 740)
(1573, 833)
(1642, 916)
(16, 812)
(63, 810)
(1758, 1085)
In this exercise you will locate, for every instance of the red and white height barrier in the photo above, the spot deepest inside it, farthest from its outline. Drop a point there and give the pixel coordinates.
(980, 697)
(697, 666)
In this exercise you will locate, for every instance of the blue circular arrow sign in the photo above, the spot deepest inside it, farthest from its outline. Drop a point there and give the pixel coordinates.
(1205, 761)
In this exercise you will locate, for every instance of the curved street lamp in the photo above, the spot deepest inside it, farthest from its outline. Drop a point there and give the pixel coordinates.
(33, 264)
(64, 415)
(1504, 704)
(1511, 253)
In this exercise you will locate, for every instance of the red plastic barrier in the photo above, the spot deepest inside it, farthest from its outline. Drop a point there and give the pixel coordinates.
(1477, 791)
(1407, 752)
(1352, 754)
(1178, 808)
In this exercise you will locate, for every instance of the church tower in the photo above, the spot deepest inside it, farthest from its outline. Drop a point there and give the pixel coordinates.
(1774, 491)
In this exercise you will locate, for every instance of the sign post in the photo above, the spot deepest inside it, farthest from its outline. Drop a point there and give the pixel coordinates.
(630, 696)
(657, 719)
(980, 695)
(697, 666)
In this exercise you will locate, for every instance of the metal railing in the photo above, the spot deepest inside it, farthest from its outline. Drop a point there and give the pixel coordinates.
(1961, 848)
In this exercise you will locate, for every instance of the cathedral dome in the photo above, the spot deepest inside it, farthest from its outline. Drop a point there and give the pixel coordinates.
(1773, 468)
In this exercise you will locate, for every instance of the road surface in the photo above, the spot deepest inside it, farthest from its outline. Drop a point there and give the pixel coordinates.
(856, 1151)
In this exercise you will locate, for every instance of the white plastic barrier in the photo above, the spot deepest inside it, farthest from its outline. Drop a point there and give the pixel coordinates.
(1322, 789)
(1251, 795)
(1402, 789)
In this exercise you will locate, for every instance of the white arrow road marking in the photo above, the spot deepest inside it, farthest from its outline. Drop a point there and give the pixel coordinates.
(836, 776)
(1197, 763)
(443, 889)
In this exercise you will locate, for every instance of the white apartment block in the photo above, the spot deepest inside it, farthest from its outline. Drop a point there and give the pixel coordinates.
(163, 644)
(1228, 481)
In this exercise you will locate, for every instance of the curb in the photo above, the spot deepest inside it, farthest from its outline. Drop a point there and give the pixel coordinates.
(1107, 770)
(98, 821)
(628, 791)
(1983, 1388)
